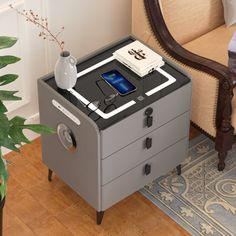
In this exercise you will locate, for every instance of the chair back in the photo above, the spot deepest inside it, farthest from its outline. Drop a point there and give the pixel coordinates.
(189, 19)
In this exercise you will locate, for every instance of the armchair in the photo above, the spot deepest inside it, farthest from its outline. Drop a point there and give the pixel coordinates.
(213, 104)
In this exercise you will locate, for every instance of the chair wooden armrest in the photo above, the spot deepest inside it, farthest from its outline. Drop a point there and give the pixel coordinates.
(227, 80)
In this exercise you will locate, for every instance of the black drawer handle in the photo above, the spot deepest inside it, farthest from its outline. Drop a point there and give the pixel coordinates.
(148, 143)
(147, 169)
(149, 119)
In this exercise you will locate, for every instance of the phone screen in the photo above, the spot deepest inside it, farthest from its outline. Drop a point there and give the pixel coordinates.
(118, 82)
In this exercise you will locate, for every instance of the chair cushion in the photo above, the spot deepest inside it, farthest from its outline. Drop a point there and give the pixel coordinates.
(202, 113)
(214, 45)
(187, 21)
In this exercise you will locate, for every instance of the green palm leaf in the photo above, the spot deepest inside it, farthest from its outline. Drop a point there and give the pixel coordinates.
(5, 140)
(7, 79)
(11, 131)
(16, 129)
(7, 42)
(17, 126)
(2, 107)
(40, 129)
(8, 96)
(6, 60)
(3, 176)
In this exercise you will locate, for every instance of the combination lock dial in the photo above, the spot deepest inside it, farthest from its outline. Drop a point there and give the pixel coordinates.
(66, 137)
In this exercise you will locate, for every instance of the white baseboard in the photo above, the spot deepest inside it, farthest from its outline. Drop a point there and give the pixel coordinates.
(34, 119)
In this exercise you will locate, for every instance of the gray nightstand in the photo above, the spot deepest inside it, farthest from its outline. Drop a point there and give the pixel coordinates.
(108, 146)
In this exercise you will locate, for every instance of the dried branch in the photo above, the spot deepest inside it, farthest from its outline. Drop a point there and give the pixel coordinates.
(42, 23)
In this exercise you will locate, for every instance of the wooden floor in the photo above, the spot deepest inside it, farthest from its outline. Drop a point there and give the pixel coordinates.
(35, 206)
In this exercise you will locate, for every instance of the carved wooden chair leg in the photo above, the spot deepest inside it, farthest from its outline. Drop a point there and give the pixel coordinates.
(99, 217)
(221, 164)
(179, 169)
(50, 175)
(225, 131)
(224, 142)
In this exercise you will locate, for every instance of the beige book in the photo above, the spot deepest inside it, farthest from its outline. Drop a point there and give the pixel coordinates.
(138, 57)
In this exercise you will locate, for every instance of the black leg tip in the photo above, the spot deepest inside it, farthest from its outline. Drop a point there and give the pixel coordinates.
(179, 169)
(99, 217)
(49, 175)
(221, 166)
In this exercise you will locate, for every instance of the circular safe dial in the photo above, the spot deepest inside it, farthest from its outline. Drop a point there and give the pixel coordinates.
(66, 137)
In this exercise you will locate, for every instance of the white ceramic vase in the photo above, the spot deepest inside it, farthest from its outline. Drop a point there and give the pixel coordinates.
(65, 71)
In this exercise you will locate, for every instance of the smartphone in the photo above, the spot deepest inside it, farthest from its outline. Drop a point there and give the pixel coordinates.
(117, 81)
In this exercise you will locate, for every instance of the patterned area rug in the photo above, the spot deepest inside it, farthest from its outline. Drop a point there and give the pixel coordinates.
(202, 200)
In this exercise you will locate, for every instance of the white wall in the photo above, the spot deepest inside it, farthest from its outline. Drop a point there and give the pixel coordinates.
(89, 25)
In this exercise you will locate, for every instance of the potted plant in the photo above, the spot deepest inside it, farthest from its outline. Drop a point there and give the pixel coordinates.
(11, 130)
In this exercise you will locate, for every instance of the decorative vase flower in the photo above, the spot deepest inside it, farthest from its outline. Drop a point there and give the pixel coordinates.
(65, 71)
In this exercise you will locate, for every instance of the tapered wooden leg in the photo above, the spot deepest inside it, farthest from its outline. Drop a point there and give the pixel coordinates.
(221, 164)
(50, 175)
(99, 217)
(179, 169)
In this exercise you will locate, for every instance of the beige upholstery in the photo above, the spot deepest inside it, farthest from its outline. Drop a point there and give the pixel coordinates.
(205, 86)
(200, 16)
(214, 45)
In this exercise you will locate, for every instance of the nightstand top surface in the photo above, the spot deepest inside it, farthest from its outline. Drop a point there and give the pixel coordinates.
(102, 98)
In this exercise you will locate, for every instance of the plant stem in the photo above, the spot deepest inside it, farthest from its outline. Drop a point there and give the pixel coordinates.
(34, 21)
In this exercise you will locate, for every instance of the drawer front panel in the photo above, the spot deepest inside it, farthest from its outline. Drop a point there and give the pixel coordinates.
(144, 148)
(136, 178)
(135, 126)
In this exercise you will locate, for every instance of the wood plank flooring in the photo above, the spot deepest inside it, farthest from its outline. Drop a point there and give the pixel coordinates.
(35, 206)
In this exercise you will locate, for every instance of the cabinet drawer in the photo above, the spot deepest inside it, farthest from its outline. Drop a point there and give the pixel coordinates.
(136, 178)
(144, 148)
(133, 127)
